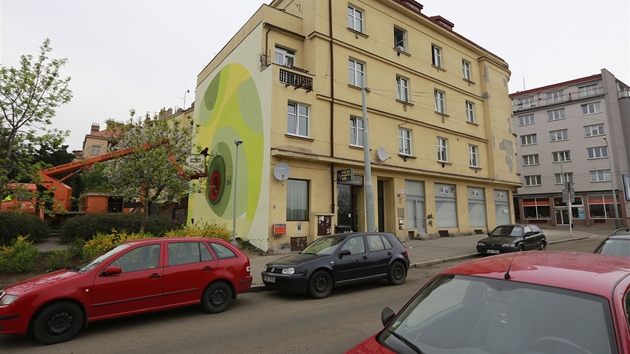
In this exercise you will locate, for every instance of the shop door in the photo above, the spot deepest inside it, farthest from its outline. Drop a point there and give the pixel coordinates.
(346, 208)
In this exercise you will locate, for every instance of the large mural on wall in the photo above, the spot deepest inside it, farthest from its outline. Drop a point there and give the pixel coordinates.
(230, 110)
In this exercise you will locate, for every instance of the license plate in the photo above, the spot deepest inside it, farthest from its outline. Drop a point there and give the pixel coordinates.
(269, 279)
(492, 251)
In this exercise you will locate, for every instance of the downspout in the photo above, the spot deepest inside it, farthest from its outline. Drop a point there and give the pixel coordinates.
(332, 109)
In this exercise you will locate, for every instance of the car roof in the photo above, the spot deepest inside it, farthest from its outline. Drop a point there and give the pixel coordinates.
(176, 239)
(585, 272)
(618, 237)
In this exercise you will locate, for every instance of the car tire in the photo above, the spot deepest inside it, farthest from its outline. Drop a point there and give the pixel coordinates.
(217, 297)
(58, 323)
(543, 246)
(520, 248)
(320, 285)
(397, 274)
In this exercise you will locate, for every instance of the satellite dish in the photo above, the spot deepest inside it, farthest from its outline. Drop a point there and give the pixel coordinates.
(382, 155)
(282, 171)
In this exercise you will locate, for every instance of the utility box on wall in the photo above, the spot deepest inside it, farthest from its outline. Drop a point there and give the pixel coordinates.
(279, 229)
(324, 225)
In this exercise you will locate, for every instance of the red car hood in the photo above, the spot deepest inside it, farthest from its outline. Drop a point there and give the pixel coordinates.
(41, 281)
(369, 345)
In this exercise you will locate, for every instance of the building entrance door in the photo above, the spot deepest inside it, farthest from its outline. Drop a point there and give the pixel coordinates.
(346, 208)
(562, 217)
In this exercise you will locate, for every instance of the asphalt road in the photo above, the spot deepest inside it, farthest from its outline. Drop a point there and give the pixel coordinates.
(258, 322)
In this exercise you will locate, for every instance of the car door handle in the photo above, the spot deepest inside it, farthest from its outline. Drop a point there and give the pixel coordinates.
(155, 275)
(365, 257)
(207, 268)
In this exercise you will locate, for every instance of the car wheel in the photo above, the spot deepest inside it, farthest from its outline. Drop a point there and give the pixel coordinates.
(217, 297)
(58, 323)
(543, 246)
(320, 284)
(521, 248)
(397, 274)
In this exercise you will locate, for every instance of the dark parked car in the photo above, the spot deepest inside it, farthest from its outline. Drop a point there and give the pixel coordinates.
(336, 260)
(134, 277)
(522, 303)
(617, 243)
(512, 238)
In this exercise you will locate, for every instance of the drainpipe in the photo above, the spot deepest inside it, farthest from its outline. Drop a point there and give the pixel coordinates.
(332, 108)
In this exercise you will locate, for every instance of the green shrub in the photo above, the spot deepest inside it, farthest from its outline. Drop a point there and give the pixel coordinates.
(59, 259)
(19, 257)
(204, 230)
(102, 242)
(13, 225)
(87, 226)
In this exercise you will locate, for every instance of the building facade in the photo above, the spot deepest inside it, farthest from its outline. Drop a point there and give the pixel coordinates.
(573, 155)
(282, 112)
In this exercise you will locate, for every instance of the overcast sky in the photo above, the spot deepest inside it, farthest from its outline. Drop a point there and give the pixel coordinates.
(145, 54)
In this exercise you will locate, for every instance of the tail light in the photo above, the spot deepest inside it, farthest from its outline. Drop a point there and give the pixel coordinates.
(404, 253)
(247, 267)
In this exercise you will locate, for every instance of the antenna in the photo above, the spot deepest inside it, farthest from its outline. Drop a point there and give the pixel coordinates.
(507, 274)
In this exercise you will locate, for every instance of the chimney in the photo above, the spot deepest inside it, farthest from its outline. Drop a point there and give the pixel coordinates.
(95, 128)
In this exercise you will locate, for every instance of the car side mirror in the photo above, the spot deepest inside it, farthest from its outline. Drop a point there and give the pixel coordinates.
(111, 270)
(386, 315)
(344, 253)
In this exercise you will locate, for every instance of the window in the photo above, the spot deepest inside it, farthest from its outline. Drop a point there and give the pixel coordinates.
(561, 156)
(436, 55)
(587, 90)
(378, 243)
(533, 180)
(141, 258)
(297, 119)
(600, 176)
(404, 141)
(400, 39)
(526, 102)
(556, 114)
(473, 152)
(558, 135)
(356, 131)
(568, 176)
(355, 19)
(554, 97)
(526, 120)
(466, 70)
(357, 71)
(442, 150)
(470, 112)
(222, 251)
(599, 152)
(603, 206)
(529, 160)
(187, 252)
(284, 57)
(355, 245)
(402, 88)
(96, 150)
(529, 139)
(297, 200)
(591, 108)
(594, 130)
(536, 208)
(440, 106)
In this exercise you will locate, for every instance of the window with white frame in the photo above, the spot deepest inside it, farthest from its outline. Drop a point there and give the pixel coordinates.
(594, 130)
(284, 57)
(527, 102)
(357, 71)
(400, 39)
(603, 206)
(298, 119)
(559, 135)
(568, 176)
(587, 90)
(591, 108)
(355, 19)
(561, 156)
(436, 55)
(466, 70)
(556, 114)
(473, 153)
(442, 149)
(600, 176)
(96, 150)
(526, 120)
(356, 131)
(470, 112)
(297, 200)
(598, 152)
(404, 141)
(530, 160)
(533, 180)
(553, 97)
(402, 88)
(529, 139)
(440, 105)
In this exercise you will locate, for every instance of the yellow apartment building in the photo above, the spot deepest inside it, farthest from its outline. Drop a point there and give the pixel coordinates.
(281, 110)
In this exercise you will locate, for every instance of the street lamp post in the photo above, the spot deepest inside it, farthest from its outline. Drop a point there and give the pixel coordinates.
(237, 142)
(614, 187)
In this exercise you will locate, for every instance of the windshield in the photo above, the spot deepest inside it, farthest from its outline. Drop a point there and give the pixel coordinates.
(464, 314)
(324, 245)
(515, 231)
(101, 258)
(616, 247)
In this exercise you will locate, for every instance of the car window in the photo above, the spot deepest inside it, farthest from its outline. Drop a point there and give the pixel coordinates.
(183, 253)
(141, 258)
(355, 245)
(221, 251)
(616, 247)
(375, 243)
(388, 245)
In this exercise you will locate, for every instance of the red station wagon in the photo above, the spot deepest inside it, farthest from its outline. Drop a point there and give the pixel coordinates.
(134, 277)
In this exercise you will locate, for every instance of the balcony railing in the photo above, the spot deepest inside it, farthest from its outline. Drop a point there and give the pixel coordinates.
(540, 99)
(290, 78)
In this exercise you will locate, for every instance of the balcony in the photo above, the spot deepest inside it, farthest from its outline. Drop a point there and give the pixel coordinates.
(542, 100)
(289, 78)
